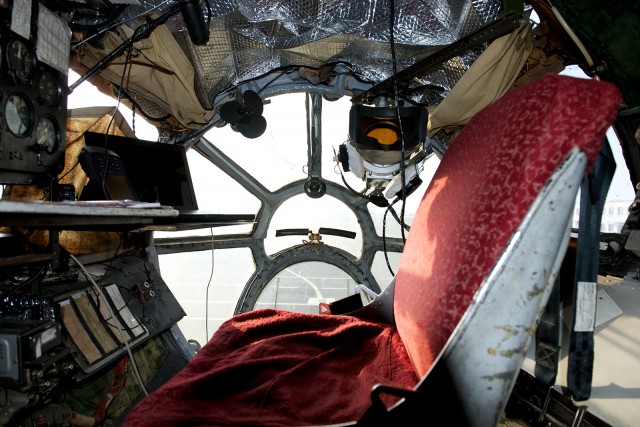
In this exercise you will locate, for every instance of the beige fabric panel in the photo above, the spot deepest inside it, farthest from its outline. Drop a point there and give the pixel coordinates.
(158, 70)
(488, 78)
(78, 334)
(94, 323)
(79, 121)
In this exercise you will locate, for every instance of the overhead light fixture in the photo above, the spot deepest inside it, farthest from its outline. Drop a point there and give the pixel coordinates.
(377, 133)
(374, 151)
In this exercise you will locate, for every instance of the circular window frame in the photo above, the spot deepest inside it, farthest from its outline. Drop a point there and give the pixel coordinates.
(306, 252)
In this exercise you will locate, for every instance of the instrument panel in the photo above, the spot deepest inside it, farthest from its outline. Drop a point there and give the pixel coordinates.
(33, 113)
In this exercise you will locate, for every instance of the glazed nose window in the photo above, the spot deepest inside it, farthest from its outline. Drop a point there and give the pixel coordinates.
(301, 287)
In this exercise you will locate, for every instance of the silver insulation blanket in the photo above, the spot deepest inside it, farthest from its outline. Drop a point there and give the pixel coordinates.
(251, 37)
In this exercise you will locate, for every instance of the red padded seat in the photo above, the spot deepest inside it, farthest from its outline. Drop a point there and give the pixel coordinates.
(279, 368)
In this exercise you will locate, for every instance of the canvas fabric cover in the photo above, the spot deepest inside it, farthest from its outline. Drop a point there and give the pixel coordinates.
(279, 368)
(488, 78)
(157, 70)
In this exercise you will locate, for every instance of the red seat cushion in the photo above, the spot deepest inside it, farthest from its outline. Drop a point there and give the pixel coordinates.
(278, 368)
(482, 190)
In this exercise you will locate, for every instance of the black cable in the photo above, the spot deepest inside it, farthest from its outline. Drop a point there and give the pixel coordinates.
(140, 33)
(384, 240)
(27, 282)
(281, 71)
(104, 30)
(289, 68)
(119, 99)
(136, 104)
(70, 169)
(126, 304)
(389, 207)
(384, 233)
(190, 135)
(270, 82)
(103, 179)
(97, 296)
(352, 190)
(84, 19)
(396, 217)
(418, 103)
(115, 255)
(397, 101)
(206, 301)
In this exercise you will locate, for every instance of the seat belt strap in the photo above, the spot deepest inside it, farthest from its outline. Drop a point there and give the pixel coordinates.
(547, 354)
(593, 194)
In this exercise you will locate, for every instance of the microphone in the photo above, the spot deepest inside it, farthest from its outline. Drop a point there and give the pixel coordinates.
(194, 21)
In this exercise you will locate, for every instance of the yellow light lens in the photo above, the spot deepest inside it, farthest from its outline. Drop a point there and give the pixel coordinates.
(384, 133)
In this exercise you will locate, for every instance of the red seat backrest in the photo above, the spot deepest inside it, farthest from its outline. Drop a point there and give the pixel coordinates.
(484, 186)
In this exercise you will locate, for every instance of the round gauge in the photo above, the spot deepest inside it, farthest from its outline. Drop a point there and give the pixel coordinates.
(47, 135)
(49, 89)
(21, 60)
(18, 113)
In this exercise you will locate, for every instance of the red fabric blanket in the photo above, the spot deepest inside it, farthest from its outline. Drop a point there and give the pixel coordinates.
(247, 374)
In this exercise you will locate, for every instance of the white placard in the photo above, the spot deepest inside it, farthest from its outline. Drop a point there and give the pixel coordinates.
(585, 316)
(54, 40)
(21, 18)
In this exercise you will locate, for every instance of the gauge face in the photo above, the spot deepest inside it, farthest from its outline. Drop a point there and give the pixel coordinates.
(18, 113)
(49, 89)
(22, 61)
(47, 135)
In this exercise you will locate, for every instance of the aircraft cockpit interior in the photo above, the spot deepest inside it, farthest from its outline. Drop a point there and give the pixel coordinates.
(319, 213)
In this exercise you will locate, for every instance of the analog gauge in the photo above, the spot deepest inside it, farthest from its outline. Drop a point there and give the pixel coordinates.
(18, 113)
(22, 61)
(49, 89)
(47, 135)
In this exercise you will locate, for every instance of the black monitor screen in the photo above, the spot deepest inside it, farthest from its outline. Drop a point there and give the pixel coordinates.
(157, 172)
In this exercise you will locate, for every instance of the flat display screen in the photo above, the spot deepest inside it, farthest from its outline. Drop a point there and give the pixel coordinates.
(157, 172)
